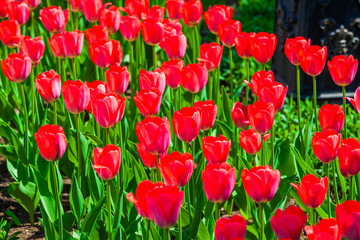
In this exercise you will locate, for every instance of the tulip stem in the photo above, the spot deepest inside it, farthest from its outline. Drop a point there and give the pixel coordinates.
(328, 191)
(298, 99)
(63, 72)
(132, 71)
(154, 57)
(313, 216)
(74, 69)
(148, 229)
(315, 102)
(262, 160)
(217, 211)
(358, 185)
(231, 75)
(179, 225)
(187, 187)
(25, 113)
(107, 136)
(114, 132)
(33, 100)
(272, 163)
(109, 208)
(80, 161)
(248, 79)
(344, 109)
(55, 114)
(261, 218)
(334, 181)
(351, 194)
(103, 75)
(57, 198)
(166, 234)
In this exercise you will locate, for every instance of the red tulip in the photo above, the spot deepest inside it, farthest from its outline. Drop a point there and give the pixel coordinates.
(97, 33)
(48, 85)
(148, 159)
(191, 12)
(326, 144)
(172, 70)
(261, 116)
(219, 181)
(92, 9)
(263, 46)
(356, 100)
(158, 202)
(10, 33)
(154, 133)
(106, 53)
(331, 117)
(187, 123)
(288, 224)
(106, 161)
(326, 229)
(216, 149)
(242, 44)
(250, 141)
(4, 8)
(108, 109)
(16, 67)
(110, 18)
(228, 30)
(312, 190)
(34, 48)
(152, 31)
(51, 141)
(148, 101)
(76, 96)
(210, 55)
(312, 60)
(194, 77)
(73, 42)
(95, 87)
(54, 18)
(176, 168)
(349, 155)
(18, 11)
(343, 69)
(174, 46)
(261, 183)
(33, 3)
(117, 78)
(155, 12)
(173, 8)
(347, 215)
(136, 7)
(259, 79)
(130, 27)
(293, 46)
(171, 26)
(208, 112)
(230, 228)
(150, 79)
(75, 5)
(216, 15)
(239, 115)
(57, 45)
(275, 93)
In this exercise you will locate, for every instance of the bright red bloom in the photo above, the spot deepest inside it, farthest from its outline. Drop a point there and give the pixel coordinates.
(176, 168)
(343, 69)
(326, 144)
(263, 46)
(16, 67)
(154, 133)
(348, 219)
(157, 202)
(130, 27)
(10, 33)
(75, 5)
(150, 79)
(4, 8)
(288, 224)
(349, 155)
(136, 7)
(73, 42)
(34, 48)
(54, 18)
(172, 70)
(293, 46)
(261, 183)
(117, 78)
(210, 55)
(312, 190)
(173, 8)
(239, 115)
(18, 11)
(194, 77)
(108, 109)
(95, 87)
(191, 12)
(110, 18)
(261, 116)
(148, 159)
(228, 30)
(230, 228)
(106, 161)
(96, 33)
(92, 9)
(51, 141)
(356, 100)
(152, 31)
(259, 79)
(275, 93)
(48, 85)
(326, 229)
(57, 45)
(242, 44)
(187, 123)
(171, 26)
(148, 101)
(331, 117)
(33, 3)
(217, 15)
(106, 53)
(174, 46)
(76, 96)
(250, 141)
(216, 149)
(155, 12)
(208, 111)
(312, 60)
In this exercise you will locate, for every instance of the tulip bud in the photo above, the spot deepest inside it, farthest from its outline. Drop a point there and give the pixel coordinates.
(259, 79)
(4, 9)
(216, 15)
(187, 123)
(356, 100)
(96, 33)
(95, 87)
(33, 3)
(174, 46)
(275, 93)
(194, 77)
(136, 7)
(173, 8)
(110, 18)
(293, 46)
(263, 46)
(75, 5)
(347, 216)
(228, 30)
(48, 85)
(191, 12)
(76, 96)
(106, 53)
(210, 55)
(152, 31)
(152, 79)
(117, 79)
(239, 115)
(34, 48)
(10, 33)
(54, 18)
(18, 11)
(130, 27)
(148, 101)
(343, 69)
(331, 117)
(250, 141)
(172, 70)
(108, 109)
(208, 112)
(106, 161)
(155, 12)
(326, 144)
(242, 44)
(171, 26)
(327, 228)
(148, 159)
(16, 67)
(216, 149)
(261, 116)
(57, 45)
(230, 228)
(51, 141)
(312, 60)
(92, 9)
(349, 155)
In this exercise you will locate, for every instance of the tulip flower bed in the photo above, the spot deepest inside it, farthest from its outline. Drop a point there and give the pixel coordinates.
(160, 136)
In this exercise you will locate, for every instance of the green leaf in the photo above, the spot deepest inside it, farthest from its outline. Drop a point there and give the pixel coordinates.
(197, 215)
(304, 166)
(226, 105)
(89, 220)
(286, 159)
(225, 129)
(76, 200)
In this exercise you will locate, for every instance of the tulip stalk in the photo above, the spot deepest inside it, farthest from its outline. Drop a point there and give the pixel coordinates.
(57, 199)
(351, 190)
(272, 136)
(344, 109)
(328, 191)
(109, 207)
(33, 99)
(132, 71)
(74, 68)
(261, 219)
(298, 98)
(55, 114)
(248, 78)
(217, 211)
(315, 102)
(231, 75)
(166, 234)
(179, 225)
(25, 113)
(154, 57)
(80, 160)
(262, 160)
(334, 181)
